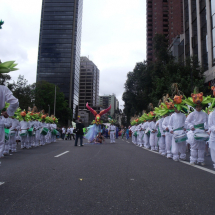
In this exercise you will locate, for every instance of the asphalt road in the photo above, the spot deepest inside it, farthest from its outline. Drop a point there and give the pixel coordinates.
(118, 178)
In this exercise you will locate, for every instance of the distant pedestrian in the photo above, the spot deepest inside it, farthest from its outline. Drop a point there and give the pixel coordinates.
(117, 132)
(63, 132)
(127, 133)
(79, 132)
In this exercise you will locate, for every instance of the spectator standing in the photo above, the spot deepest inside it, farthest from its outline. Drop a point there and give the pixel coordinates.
(72, 133)
(69, 133)
(63, 132)
(127, 133)
(79, 132)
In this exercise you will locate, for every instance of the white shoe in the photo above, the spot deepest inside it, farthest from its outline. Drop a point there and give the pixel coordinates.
(203, 163)
(192, 163)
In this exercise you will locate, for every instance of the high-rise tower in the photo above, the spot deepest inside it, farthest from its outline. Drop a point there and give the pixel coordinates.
(163, 17)
(59, 46)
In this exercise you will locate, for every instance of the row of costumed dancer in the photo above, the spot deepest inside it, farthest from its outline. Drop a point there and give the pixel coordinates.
(178, 122)
(32, 129)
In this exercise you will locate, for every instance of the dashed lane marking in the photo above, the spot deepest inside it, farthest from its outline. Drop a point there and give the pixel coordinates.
(1, 183)
(187, 163)
(61, 154)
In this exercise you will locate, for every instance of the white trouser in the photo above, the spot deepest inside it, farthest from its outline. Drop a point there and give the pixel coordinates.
(24, 142)
(146, 141)
(197, 151)
(213, 156)
(162, 145)
(178, 148)
(2, 139)
(168, 141)
(13, 143)
(37, 138)
(140, 138)
(42, 140)
(112, 137)
(154, 141)
(7, 146)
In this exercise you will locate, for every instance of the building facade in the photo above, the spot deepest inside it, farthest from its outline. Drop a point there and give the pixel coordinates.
(163, 17)
(89, 83)
(59, 47)
(199, 34)
(106, 101)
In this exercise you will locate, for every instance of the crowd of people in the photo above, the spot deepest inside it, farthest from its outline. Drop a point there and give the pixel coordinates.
(173, 129)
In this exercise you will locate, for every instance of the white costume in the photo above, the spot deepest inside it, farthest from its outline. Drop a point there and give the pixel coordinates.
(177, 123)
(197, 146)
(146, 136)
(14, 131)
(112, 130)
(153, 136)
(24, 126)
(168, 136)
(37, 127)
(211, 124)
(6, 96)
(43, 137)
(161, 139)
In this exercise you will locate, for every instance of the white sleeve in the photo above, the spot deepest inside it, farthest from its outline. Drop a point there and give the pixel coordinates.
(14, 103)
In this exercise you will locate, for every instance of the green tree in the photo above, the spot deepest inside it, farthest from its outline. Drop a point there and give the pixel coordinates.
(148, 82)
(24, 92)
(44, 97)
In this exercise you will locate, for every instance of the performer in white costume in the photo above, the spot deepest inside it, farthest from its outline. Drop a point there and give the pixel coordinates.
(6, 96)
(112, 130)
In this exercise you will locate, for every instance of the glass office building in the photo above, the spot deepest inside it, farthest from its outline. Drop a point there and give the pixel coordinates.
(59, 46)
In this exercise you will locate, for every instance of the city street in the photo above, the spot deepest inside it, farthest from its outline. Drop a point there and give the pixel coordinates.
(118, 178)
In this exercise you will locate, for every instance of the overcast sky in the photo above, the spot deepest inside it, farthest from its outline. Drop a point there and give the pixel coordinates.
(113, 36)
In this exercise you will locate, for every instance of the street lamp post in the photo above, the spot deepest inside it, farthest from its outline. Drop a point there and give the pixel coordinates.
(54, 100)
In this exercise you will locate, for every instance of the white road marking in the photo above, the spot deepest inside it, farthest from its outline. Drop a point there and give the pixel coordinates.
(1, 183)
(199, 167)
(61, 154)
(187, 163)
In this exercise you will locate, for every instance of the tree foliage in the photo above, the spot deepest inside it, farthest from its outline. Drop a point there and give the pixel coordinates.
(148, 82)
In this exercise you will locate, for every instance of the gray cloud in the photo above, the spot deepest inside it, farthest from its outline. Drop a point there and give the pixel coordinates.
(113, 35)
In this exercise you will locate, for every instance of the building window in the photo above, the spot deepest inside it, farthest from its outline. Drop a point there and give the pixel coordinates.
(213, 29)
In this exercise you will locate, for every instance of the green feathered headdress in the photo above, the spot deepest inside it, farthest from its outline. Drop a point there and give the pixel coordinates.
(8, 66)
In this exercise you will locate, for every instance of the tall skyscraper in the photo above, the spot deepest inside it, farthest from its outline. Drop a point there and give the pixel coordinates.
(59, 46)
(163, 17)
(89, 84)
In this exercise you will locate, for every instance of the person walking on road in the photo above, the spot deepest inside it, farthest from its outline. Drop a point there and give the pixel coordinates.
(79, 132)
(112, 130)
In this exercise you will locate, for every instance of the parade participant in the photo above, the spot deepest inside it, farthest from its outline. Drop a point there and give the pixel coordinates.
(112, 130)
(153, 132)
(161, 141)
(24, 126)
(168, 110)
(177, 128)
(6, 96)
(8, 124)
(146, 133)
(37, 127)
(44, 131)
(211, 125)
(14, 131)
(96, 128)
(197, 121)
(99, 138)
